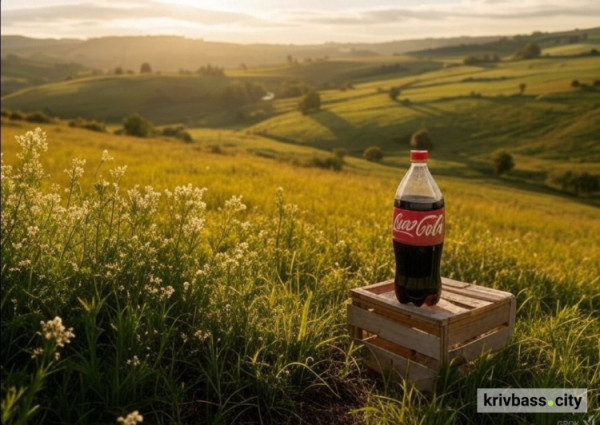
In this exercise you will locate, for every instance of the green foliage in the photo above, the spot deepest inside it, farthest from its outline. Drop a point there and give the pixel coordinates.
(5, 113)
(145, 68)
(310, 102)
(373, 154)
(293, 89)
(134, 125)
(420, 140)
(92, 125)
(17, 115)
(39, 117)
(530, 50)
(394, 93)
(502, 162)
(241, 93)
(522, 88)
(332, 162)
(211, 71)
(575, 182)
(340, 152)
(481, 58)
(178, 132)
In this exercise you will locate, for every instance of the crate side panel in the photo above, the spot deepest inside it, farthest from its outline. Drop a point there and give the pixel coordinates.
(404, 336)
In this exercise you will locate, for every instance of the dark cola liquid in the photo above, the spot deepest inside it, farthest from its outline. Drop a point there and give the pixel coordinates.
(418, 278)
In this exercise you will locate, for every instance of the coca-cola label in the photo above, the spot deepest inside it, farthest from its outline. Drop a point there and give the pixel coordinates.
(418, 228)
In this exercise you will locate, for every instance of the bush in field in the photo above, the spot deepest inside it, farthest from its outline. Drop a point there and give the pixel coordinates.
(17, 115)
(332, 162)
(178, 132)
(310, 102)
(240, 93)
(420, 140)
(145, 68)
(394, 93)
(529, 51)
(91, 125)
(502, 162)
(575, 182)
(373, 154)
(134, 125)
(39, 117)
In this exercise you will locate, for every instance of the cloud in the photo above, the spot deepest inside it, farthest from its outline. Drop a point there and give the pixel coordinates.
(133, 10)
(471, 9)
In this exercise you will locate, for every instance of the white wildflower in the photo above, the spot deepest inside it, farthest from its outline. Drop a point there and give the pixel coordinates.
(54, 329)
(37, 353)
(134, 361)
(202, 335)
(106, 157)
(132, 419)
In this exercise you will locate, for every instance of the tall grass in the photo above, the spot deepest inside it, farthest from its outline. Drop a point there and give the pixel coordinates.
(188, 313)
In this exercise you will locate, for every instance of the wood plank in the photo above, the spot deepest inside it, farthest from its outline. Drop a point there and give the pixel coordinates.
(403, 309)
(400, 318)
(411, 371)
(441, 311)
(492, 342)
(468, 329)
(465, 301)
(411, 355)
(479, 292)
(402, 335)
(380, 287)
(454, 283)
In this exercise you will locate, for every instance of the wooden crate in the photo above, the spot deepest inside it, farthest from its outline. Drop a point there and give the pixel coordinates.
(414, 342)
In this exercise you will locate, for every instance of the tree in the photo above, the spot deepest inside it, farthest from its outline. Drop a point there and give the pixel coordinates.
(373, 154)
(311, 101)
(145, 68)
(421, 141)
(118, 70)
(503, 162)
(290, 59)
(394, 93)
(529, 51)
(134, 125)
(575, 83)
(522, 88)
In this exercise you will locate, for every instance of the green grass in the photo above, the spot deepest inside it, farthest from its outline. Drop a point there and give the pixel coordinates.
(257, 334)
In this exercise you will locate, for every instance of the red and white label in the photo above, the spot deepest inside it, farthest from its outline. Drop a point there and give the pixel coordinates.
(419, 228)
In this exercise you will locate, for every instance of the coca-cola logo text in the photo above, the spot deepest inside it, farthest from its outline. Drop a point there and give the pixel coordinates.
(418, 227)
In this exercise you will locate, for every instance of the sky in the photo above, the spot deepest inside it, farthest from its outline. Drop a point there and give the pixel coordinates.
(297, 22)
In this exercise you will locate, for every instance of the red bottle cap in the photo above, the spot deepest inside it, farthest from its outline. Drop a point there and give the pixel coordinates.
(419, 155)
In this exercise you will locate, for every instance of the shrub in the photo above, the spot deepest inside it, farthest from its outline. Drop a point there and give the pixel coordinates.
(373, 154)
(145, 68)
(178, 132)
(5, 113)
(420, 140)
(575, 83)
(503, 162)
(574, 182)
(39, 117)
(394, 93)
(529, 51)
(92, 125)
(332, 162)
(134, 125)
(311, 101)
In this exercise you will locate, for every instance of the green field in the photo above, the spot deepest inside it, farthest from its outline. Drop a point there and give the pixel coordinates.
(258, 334)
(207, 281)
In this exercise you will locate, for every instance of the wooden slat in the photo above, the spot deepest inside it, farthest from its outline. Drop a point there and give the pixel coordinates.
(454, 283)
(400, 318)
(481, 293)
(393, 305)
(402, 335)
(473, 328)
(411, 355)
(491, 342)
(411, 371)
(441, 311)
(464, 301)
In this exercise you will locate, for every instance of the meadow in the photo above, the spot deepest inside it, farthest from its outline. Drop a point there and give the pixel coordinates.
(227, 305)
